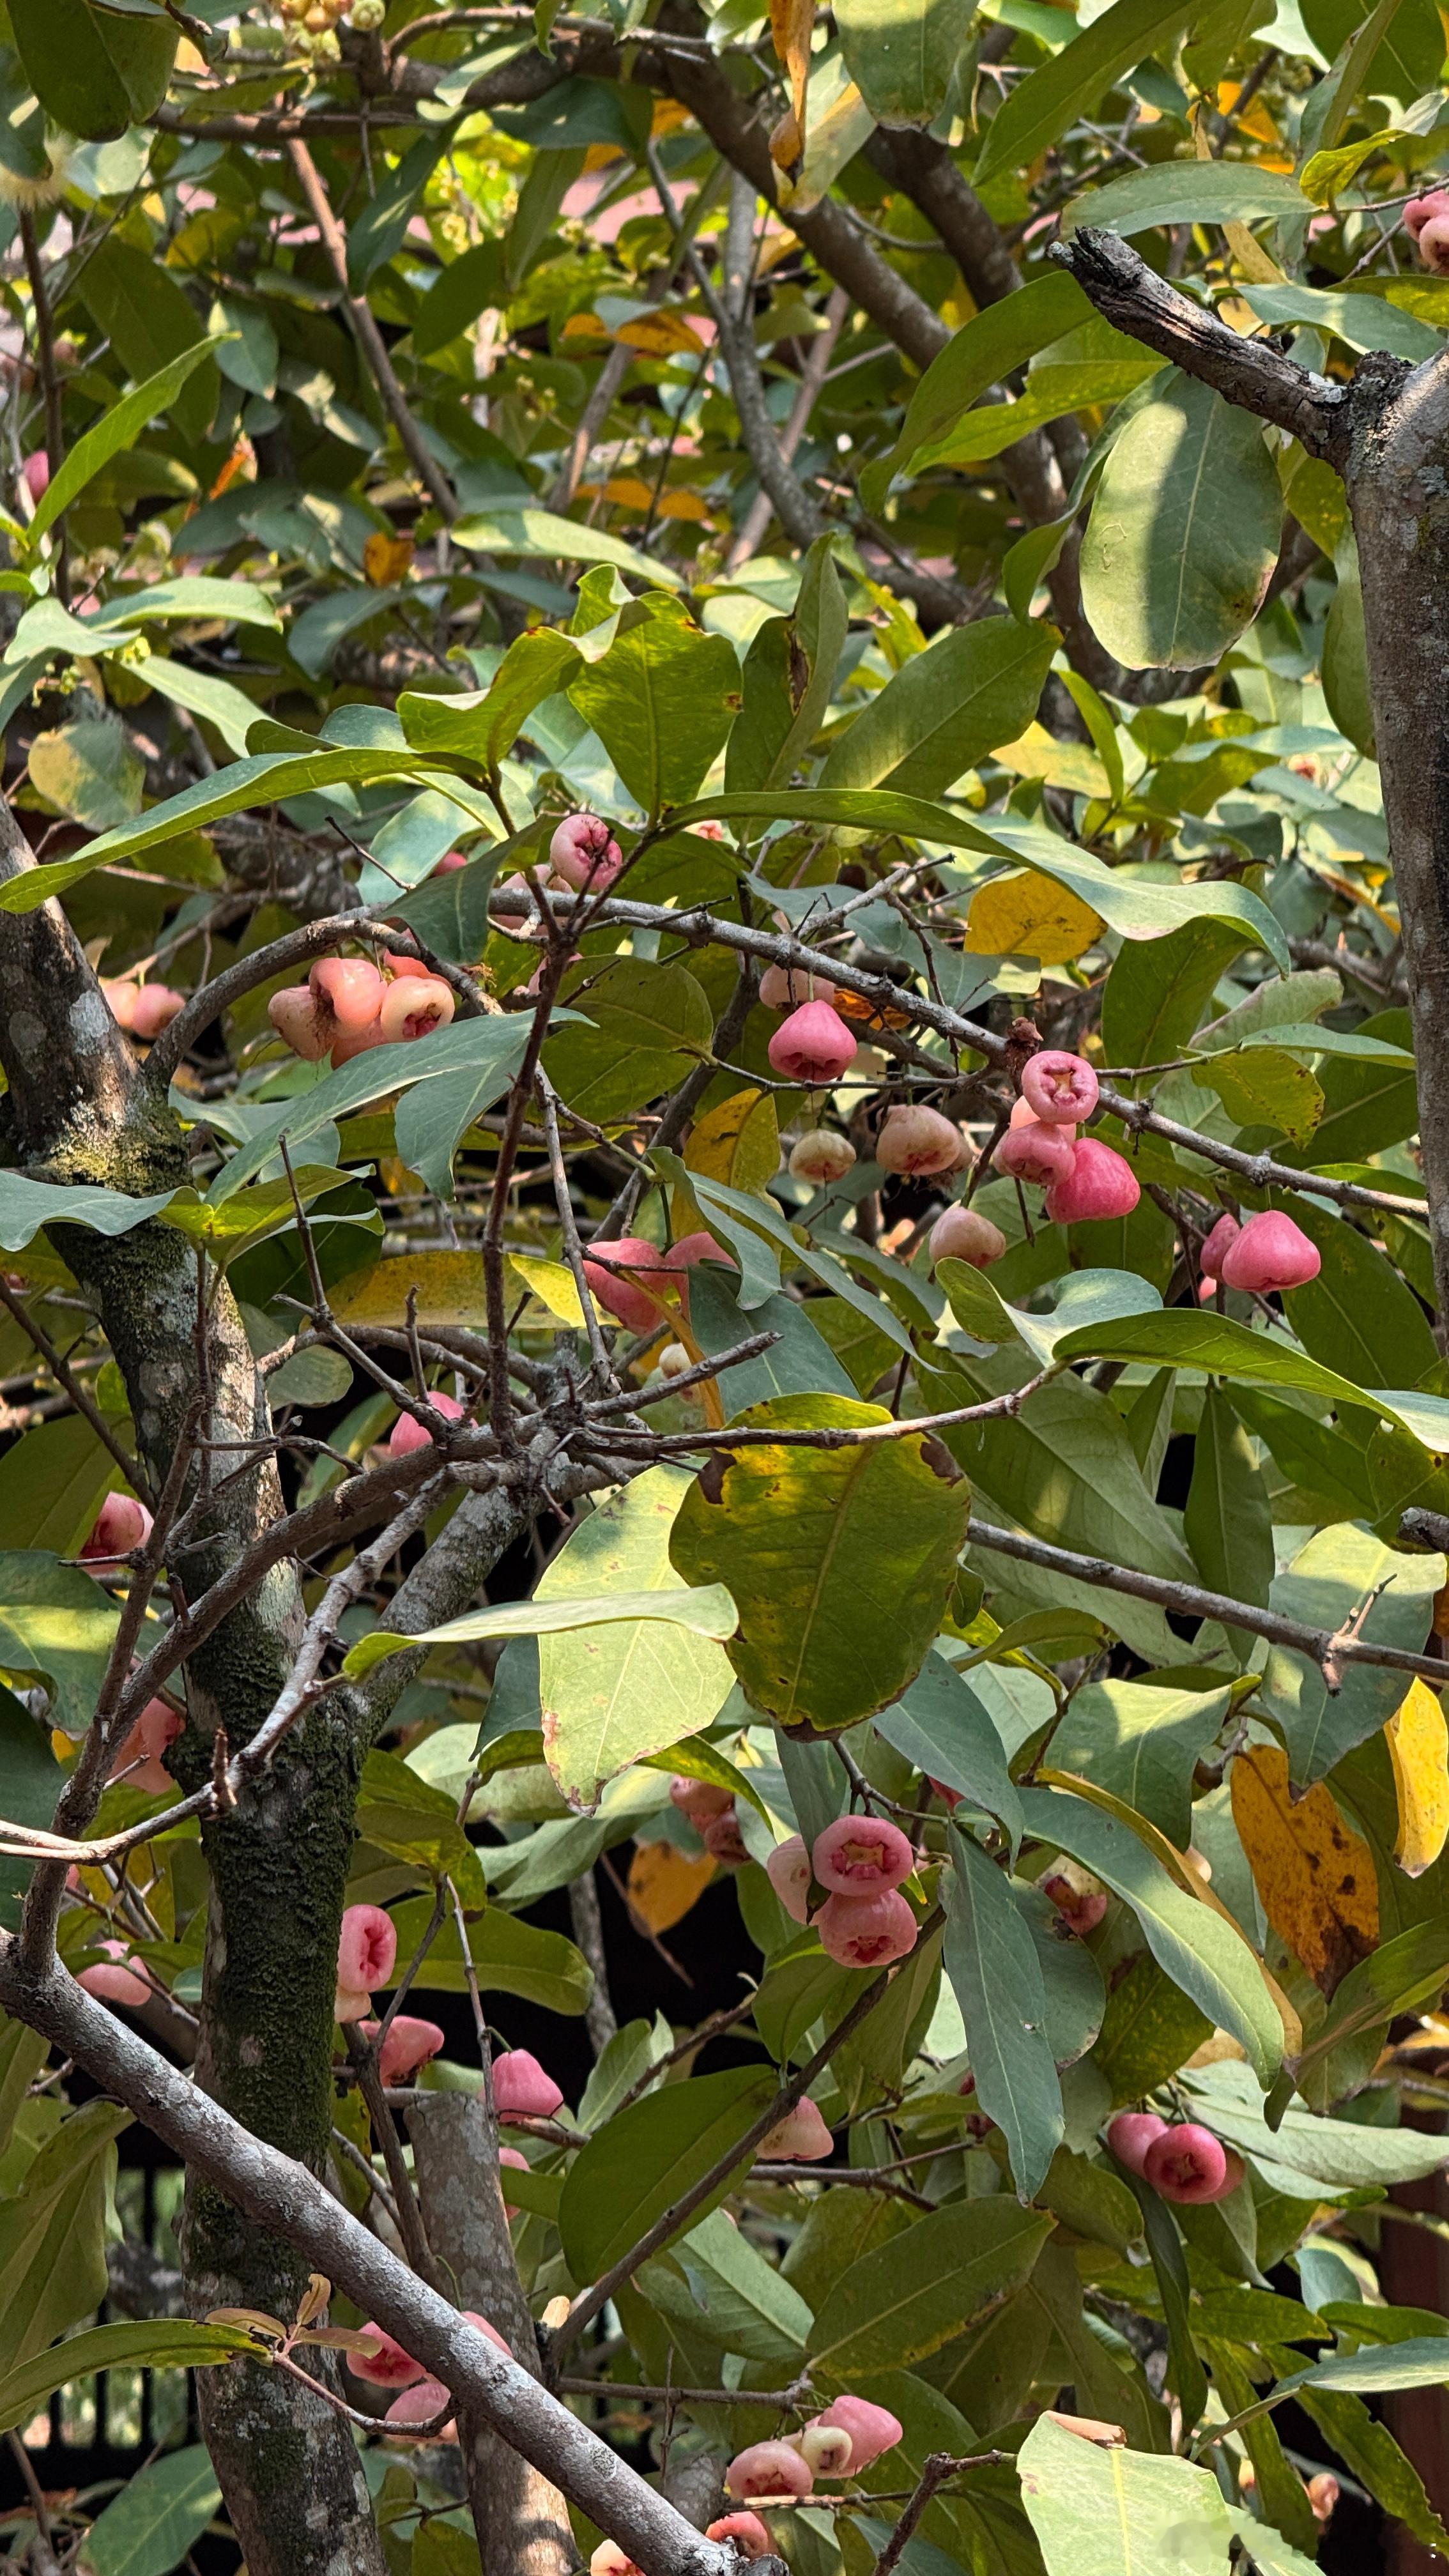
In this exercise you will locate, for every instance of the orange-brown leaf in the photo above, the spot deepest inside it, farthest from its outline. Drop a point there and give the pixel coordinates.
(664, 1882)
(387, 560)
(1314, 1874)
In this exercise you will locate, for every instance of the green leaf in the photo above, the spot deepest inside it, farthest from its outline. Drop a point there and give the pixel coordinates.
(1141, 1741)
(756, 1232)
(661, 701)
(1190, 192)
(1155, 995)
(112, 434)
(159, 2343)
(978, 686)
(1222, 1348)
(482, 727)
(52, 1484)
(31, 1781)
(716, 2284)
(26, 1205)
(1186, 2375)
(1404, 1972)
(786, 691)
(1228, 1521)
(991, 344)
(646, 2158)
(644, 1027)
(1340, 2154)
(941, 1726)
(149, 321)
(94, 71)
(906, 2298)
(203, 693)
(841, 1560)
(517, 528)
(468, 286)
(1422, 2362)
(1099, 2512)
(1038, 112)
(52, 2234)
(57, 1623)
(1370, 2453)
(412, 1822)
(509, 1957)
(992, 1963)
(1344, 1575)
(1265, 1087)
(1202, 1953)
(801, 1361)
(1150, 2027)
(901, 59)
(148, 2528)
(377, 230)
(1184, 530)
(1363, 321)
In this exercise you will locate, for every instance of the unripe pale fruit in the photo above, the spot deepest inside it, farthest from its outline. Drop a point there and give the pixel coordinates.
(826, 2448)
(352, 990)
(409, 2044)
(609, 2559)
(768, 2469)
(800, 2138)
(155, 1008)
(1099, 1184)
(700, 1800)
(35, 474)
(633, 1306)
(963, 1234)
(1187, 2163)
(788, 1871)
(584, 852)
(412, 1005)
(295, 1015)
(521, 2089)
(917, 1140)
(1037, 1153)
(822, 1157)
(674, 1359)
(1079, 1897)
(1217, 1245)
(813, 1046)
(867, 1931)
(389, 2366)
(1058, 1087)
(366, 1956)
(1323, 2494)
(1131, 2134)
(408, 1434)
(861, 1855)
(784, 988)
(1270, 1252)
(724, 1842)
(872, 2429)
(745, 2530)
(121, 1525)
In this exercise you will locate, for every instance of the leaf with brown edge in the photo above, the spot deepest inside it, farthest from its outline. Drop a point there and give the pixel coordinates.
(1314, 1874)
(1418, 1742)
(792, 24)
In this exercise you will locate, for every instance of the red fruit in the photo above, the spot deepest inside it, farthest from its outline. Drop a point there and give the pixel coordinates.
(1034, 1152)
(724, 1841)
(449, 863)
(822, 1157)
(768, 2469)
(1216, 1246)
(155, 1007)
(121, 1525)
(917, 1140)
(861, 1855)
(1131, 2134)
(788, 1871)
(409, 2044)
(352, 989)
(1058, 1087)
(112, 1982)
(1271, 1252)
(963, 1234)
(1099, 1184)
(867, 1931)
(366, 1955)
(813, 1045)
(1186, 2164)
(139, 1761)
(633, 1306)
(389, 2366)
(35, 473)
(413, 1005)
(295, 1015)
(408, 1434)
(800, 2138)
(747, 2532)
(1234, 2175)
(700, 1800)
(1426, 220)
(948, 1797)
(784, 988)
(584, 853)
(1076, 1894)
(694, 1248)
(521, 2089)
(872, 2429)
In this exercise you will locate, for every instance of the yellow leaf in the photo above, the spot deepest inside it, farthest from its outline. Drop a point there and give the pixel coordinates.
(664, 1882)
(660, 335)
(387, 560)
(1314, 1874)
(792, 24)
(686, 505)
(737, 1143)
(1419, 1751)
(1073, 765)
(552, 1283)
(449, 1289)
(1030, 916)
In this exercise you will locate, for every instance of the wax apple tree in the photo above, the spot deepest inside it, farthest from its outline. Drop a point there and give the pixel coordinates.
(724, 1175)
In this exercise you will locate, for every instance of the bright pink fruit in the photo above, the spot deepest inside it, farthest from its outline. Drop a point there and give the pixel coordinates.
(1099, 1184)
(584, 853)
(633, 1306)
(784, 988)
(1426, 220)
(389, 2366)
(346, 1044)
(412, 966)
(414, 1005)
(295, 1016)
(963, 1234)
(788, 1871)
(450, 862)
(408, 1434)
(366, 1955)
(860, 1855)
(352, 990)
(512, 2156)
(1186, 2164)
(121, 1525)
(918, 1140)
(1034, 1152)
(419, 2405)
(111, 1981)
(120, 999)
(747, 2532)
(694, 1248)
(768, 2469)
(700, 1800)
(872, 2429)
(800, 2138)
(521, 2089)
(822, 1157)
(813, 1045)
(1271, 1252)
(1217, 1245)
(1131, 2134)
(139, 1761)
(1076, 1894)
(867, 1931)
(408, 2045)
(1233, 2176)
(1060, 1088)
(155, 1008)
(35, 473)
(724, 1842)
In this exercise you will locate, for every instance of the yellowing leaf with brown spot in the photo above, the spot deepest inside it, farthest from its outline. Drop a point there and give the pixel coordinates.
(661, 335)
(387, 560)
(449, 1289)
(665, 1882)
(1418, 1740)
(738, 1142)
(1314, 1874)
(1029, 916)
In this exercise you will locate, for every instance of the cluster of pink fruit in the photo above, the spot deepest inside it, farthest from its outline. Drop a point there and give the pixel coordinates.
(142, 1010)
(844, 2442)
(1082, 1178)
(420, 2399)
(347, 1006)
(1267, 1254)
(610, 1265)
(1181, 2160)
(860, 1861)
(366, 1955)
(1426, 221)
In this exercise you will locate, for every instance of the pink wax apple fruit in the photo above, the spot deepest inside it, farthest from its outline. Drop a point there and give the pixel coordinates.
(821, 1157)
(138, 1761)
(861, 1855)
(584, 853)
(295, 1015)
(724, 1842)
(1426, 221)
(1099, 1184)
(111, 1981)
(872, 2429)
(521, 2089)
(788, 1871)
(867, 1931)
(1059, 1088)
(1217, 1245)
(389, 2366)
(800, 2138)
(121, 1526)
(154, 1009)
(768, 2469)
(1130, 2135)
(784, 988)
(366, 1956)
(519, 2162)
(700, 1800)
(1187, 2164)
(413, 1006)
(813, 1046)
(1035, 1152)
(352, 989)
(963, 1234)
(1078, 1897)
(634, 1306)
(408, 1434)
(1269, 1253)
(409, 2043)
(745, 2531)
(35, 474)
(917, 1140)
